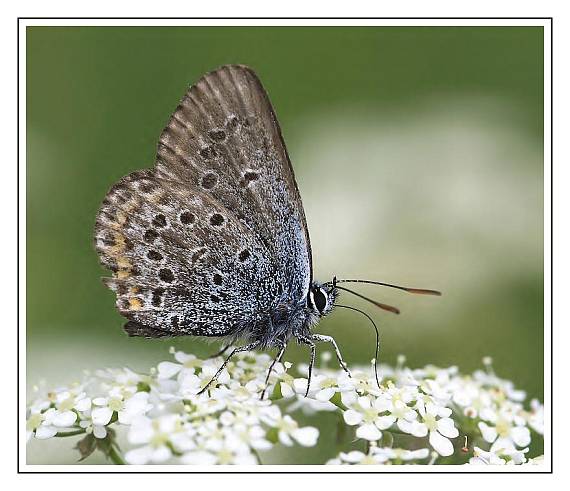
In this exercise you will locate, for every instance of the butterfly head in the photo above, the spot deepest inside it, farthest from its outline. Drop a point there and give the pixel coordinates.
(321, 298)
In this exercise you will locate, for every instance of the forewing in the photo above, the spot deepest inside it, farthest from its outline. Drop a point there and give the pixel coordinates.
(224, 140)
(182, 263)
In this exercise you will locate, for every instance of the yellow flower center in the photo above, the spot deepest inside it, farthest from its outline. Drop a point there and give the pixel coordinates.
(225, 456)
(370, 415)
(34, 421)
(430, 422)
(503, 427)
(115, 404)
(67, 404)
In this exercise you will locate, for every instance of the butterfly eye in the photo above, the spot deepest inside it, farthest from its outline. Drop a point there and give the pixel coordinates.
(319, 299)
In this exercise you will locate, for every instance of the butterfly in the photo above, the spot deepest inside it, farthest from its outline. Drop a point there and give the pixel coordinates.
(213, 241)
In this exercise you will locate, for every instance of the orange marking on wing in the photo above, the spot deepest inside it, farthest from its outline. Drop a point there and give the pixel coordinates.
(135, 303)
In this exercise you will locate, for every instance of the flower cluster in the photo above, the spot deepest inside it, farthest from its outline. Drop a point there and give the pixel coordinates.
(414, 416)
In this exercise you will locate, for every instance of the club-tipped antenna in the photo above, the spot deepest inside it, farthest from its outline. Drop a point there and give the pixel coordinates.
(377, 338)
(418, 291)
(383, 306)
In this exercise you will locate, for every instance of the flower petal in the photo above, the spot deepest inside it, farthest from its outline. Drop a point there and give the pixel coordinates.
(418, 429)
(43, 432)
(307, 436)
(139, 456)
(489, 433)
(369, 432)
(64, 419)
(199, 457)
(384, 422)
(521, 436)
(440, 444)
(101, 415)
(286, 390)
(325, 394)
(352, 417)
(161, 454)
(83, 404)
(167, 369)
(99, 431)
(447, 428)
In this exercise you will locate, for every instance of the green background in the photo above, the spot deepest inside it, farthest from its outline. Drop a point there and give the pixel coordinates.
(418, 152)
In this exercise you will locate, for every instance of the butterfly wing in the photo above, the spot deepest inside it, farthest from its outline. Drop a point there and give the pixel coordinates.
(224, 139)
(182, 264)
(212, 237)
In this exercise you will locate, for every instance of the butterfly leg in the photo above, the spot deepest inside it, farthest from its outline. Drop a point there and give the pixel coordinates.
(219, 353)
(309, 342)
(247, 347)
(276, 360)
(329, 339)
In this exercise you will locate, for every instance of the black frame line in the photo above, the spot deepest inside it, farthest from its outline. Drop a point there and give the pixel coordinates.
(19, 471)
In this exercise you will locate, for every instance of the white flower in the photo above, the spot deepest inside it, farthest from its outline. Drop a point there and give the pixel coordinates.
(34, 417)
(482, 457)
(98, 431)
(367, 414)
(126, 409)
(403, 416)
(222, 455)
(323, 387)
(468, 395)
(288, 429)
(504, 386)
(229, 423)
(400, 454)
(159, 437)
(509, 429)
(52, 421)
(379, 455)
(439, 425)
(535, 418)
(192, 384)
(186, 365)
(360, 383)
(356, 457)
(499, 454)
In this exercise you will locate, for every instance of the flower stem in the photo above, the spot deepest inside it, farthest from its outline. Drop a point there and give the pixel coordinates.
(70, 433)
(116, 456)
(257, 457)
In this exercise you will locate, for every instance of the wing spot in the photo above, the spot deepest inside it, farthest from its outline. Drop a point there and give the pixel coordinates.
(216, 220)
(217, 135)
(157, 297)
(209, 181)
(154, 255)
(208, 153)
(128, 244)
(187, 218)
(166, 275)
(248, 178)
(150, 236)
(218, 279)
(215, 299)
(159, 221)
(244, 255)
(174, 321)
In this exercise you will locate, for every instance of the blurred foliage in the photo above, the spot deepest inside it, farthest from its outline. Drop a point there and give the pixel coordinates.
(98, 98)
